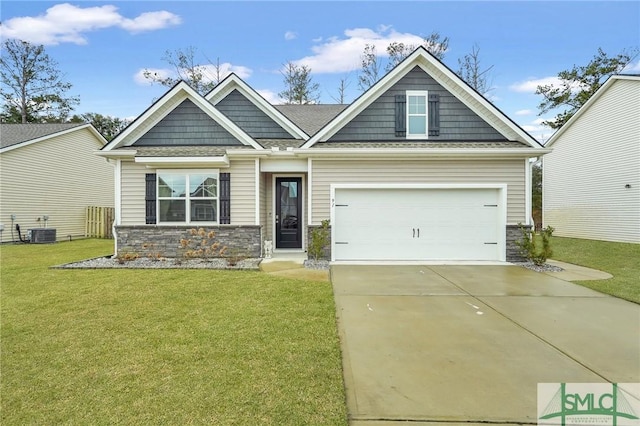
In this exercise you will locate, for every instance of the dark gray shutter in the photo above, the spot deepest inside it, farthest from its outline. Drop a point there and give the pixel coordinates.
(225, 198)
(434, 115)
(401, 116)
(150, 198)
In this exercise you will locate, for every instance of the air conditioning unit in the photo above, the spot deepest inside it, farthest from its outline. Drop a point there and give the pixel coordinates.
(41, 235)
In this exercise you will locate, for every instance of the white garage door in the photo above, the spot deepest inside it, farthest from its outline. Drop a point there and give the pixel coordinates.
(418, 224)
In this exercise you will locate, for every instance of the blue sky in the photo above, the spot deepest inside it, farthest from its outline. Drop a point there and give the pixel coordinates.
(103, 46)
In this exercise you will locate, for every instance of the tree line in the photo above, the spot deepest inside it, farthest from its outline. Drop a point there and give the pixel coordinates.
(33, 89)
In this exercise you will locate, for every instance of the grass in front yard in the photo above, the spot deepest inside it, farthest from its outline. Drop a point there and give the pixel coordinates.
(618, 259)
(163, 346)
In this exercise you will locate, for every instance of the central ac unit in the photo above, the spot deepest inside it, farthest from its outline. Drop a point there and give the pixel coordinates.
(42, 235)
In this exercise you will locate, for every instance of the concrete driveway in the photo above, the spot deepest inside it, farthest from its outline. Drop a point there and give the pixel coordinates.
(469, 344)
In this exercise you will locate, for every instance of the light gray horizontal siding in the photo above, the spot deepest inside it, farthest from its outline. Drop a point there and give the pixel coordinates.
(243, 192)
(58, 177)
(510, 172)
(250, 118)
(132, 192)
(584, 177)
(187, 125)
(377, 121)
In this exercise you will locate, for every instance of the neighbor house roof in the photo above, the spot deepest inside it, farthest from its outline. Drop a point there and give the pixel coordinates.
(13, 134)
(607, 84)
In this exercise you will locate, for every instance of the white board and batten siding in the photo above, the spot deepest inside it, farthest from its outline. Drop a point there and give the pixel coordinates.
(508, 172)
(594, 159)
(57, 177)
(243, 190)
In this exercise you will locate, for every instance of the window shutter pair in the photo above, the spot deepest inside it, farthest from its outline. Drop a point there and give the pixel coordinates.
(433, 111)
(224, 197)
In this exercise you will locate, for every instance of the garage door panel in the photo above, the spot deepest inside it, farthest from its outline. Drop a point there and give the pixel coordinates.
(417, 224)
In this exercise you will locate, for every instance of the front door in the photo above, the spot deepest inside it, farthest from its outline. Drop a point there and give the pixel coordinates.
(288, 212)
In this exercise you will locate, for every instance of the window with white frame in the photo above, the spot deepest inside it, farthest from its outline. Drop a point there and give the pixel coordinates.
(187, 196)
(417, 118)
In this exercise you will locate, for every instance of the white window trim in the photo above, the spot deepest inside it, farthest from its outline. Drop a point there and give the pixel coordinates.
(187, 199)
(421, 93)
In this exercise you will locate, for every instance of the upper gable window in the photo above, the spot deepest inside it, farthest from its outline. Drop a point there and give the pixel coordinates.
(417, 114)
(417, 117)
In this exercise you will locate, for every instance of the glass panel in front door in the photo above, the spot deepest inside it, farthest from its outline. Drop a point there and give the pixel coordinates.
(289, 205)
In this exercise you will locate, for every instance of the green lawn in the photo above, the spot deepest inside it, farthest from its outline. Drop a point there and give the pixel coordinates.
(163, 346)
(619, 259)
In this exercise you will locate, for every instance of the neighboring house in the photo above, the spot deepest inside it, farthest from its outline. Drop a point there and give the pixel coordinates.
(49, 175)
(591, 180)
(420, 167)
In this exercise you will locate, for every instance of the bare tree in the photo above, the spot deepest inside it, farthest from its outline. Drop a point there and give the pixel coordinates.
(396, 52)
(32, 86)
(299, 86)
(434, 43)
(342, 89)
(200, 77)
(370, 71)
(472, 72)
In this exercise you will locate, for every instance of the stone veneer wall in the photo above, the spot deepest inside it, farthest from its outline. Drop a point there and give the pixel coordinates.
(147, 240)
(513, 251)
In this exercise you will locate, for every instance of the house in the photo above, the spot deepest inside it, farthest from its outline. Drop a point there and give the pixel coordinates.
(591, 180)
(49, 175)
(419, 167)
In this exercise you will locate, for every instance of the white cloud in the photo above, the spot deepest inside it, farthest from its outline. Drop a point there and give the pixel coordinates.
(530, 86)
(524, 112)
(290, 35)
(539, 131)
(270, 96)
(208, 71)
(342, 54)
(66, 23)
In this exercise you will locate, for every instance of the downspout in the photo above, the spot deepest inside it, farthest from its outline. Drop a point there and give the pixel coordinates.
(529, 191)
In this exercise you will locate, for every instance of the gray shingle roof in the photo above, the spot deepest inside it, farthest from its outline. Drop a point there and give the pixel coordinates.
(421, 144)
(12, 134)
(311, 118)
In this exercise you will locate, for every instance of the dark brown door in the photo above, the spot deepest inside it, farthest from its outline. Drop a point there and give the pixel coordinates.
(288, 212)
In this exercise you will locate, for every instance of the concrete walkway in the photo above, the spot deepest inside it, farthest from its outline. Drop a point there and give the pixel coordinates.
(469, 344)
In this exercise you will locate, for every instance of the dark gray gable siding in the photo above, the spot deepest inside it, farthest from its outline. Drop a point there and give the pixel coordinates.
(187, 125)
(377, 121)
(250, 118)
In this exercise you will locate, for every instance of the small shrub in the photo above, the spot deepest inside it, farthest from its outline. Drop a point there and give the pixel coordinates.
(527, 245)
(201, 245)
(319, 240)
(127, 256)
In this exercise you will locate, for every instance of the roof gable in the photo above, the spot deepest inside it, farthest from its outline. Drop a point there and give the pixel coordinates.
(168, 103)
(187, 125)
(587, 105)
(445, 78)
(233, 82)
(13, 136)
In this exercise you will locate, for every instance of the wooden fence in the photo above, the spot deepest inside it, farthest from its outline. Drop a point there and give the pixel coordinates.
(99, 221)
